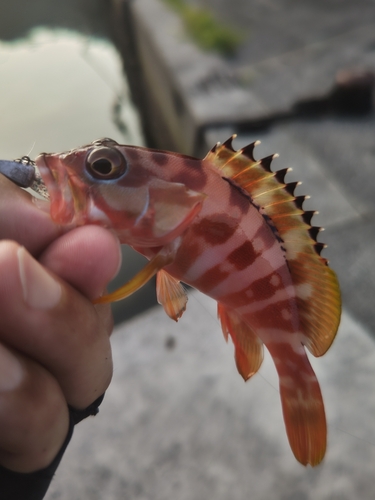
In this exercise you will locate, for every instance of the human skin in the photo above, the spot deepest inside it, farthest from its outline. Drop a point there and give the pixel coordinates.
(54, 343)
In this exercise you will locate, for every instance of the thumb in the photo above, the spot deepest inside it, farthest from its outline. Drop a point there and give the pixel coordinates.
(87, 258)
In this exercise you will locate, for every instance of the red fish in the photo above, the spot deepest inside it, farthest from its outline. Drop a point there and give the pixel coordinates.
(230, 227)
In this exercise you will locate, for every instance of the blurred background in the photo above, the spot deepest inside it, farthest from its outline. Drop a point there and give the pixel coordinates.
(177, 421)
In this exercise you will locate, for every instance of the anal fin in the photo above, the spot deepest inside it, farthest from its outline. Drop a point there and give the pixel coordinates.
(248, 347)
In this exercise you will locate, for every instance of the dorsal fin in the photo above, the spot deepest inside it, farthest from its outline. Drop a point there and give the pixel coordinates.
(318, 294)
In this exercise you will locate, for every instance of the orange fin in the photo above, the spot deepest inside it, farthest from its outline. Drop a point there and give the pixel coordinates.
(319, 302)
(318, 293)
(304, 419)
(171, 295)
(156, 264)
(248, 347)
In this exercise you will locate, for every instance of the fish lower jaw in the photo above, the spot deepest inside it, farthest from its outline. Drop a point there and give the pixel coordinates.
(59, 190)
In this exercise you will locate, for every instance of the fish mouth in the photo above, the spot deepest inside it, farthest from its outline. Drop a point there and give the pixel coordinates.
(56, 179)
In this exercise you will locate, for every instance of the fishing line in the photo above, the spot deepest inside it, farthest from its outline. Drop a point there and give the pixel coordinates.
(270, 384)
(31, 149)
(217, 324)
(199, 423)
(353, 435)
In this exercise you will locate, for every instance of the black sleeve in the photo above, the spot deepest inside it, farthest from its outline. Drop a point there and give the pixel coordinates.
(34, 485)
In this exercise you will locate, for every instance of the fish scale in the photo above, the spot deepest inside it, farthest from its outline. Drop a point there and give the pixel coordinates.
(230, 227)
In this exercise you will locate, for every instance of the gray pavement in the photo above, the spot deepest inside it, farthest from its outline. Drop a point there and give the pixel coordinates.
(181, 424)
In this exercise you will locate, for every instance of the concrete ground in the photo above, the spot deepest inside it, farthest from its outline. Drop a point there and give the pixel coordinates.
(177, 421)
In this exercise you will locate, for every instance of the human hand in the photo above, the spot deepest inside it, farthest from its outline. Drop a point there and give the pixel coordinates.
(54, 343)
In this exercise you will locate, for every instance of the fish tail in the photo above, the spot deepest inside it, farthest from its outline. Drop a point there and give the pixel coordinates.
(303, 410)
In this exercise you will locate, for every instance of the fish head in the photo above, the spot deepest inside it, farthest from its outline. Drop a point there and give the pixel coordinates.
(124, 188)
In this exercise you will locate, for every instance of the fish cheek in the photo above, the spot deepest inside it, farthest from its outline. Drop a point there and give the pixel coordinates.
(121, 203)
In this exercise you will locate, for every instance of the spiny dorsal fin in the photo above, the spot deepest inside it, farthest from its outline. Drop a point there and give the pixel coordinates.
(317, 288)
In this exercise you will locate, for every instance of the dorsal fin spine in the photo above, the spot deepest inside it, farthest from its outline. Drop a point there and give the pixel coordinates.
(249, 149)
(291, 187)
(299, 200)
(308, 215)
(269, 191)
(266, 162)
(319, 247)
(280, 174)
(228, 142)
(314, 231)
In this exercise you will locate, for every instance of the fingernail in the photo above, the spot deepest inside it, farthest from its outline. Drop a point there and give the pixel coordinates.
(40, 289)
(11, 372)
(119, 253)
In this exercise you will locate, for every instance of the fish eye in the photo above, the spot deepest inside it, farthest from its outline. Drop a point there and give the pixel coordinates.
(105, 163)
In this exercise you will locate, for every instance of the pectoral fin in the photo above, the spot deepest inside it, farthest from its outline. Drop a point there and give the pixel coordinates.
(171, 295)
(158, 262)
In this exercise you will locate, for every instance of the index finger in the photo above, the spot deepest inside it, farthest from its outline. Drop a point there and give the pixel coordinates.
(50, 322)
(22, 221)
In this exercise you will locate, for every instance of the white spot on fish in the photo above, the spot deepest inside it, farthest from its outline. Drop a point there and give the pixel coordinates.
(258, 245)
(286, 381)
(304, 291)
(227, 267)
(308, 377)
(275, 280)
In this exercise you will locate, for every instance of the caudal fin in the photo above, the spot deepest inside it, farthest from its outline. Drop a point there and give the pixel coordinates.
(303, 411)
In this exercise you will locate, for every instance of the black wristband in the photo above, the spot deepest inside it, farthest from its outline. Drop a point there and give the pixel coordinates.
(34, 485)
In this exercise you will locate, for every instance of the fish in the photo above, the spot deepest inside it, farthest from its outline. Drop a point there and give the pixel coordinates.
(231, 227)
